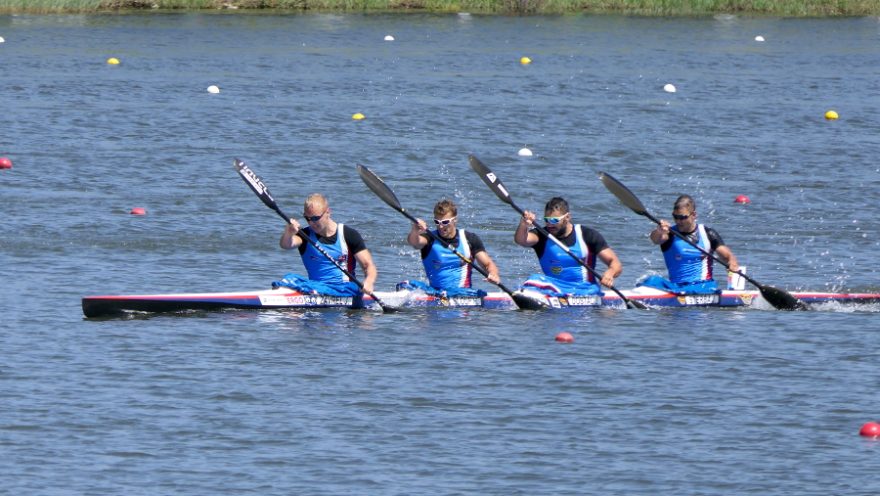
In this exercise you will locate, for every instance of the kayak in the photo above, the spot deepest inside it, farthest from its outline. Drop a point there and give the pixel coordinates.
(285, 298)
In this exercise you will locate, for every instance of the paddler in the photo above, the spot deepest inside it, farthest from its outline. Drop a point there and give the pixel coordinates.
(447, 272)
(341, 242)
(690, 271)
(562, 274)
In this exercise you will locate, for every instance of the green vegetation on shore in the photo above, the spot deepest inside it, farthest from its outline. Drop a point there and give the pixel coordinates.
(787, 8)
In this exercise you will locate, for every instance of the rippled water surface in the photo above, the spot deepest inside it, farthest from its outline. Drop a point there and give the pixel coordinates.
(449, 402)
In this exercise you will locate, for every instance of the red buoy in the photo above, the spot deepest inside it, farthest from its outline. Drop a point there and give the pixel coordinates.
(138, 211)
(870, 429)
(565, 337)
(742, 199)
(5, 163)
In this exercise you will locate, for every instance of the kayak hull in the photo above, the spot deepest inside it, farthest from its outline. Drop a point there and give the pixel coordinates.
(283, 298)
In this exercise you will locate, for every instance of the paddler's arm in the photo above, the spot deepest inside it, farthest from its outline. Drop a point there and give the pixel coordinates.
(289, 238)
(523, 236)
(486, 261)
(416, 238)
(724, 252)
(615, 268)
(370, 273)
(661, 234)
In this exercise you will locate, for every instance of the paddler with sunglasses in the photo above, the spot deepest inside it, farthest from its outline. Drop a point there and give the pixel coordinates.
(448, 274)
(343, 243)
(562, 274)
(690, 271)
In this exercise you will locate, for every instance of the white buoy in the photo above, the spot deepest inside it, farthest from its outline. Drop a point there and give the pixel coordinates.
(388, 37)
(213, 89)
(759, 38)
(669, 88)
(524, 152)
(2, 40)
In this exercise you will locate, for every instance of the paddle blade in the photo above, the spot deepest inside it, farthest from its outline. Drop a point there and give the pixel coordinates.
(781, 300)
(490, 179)
(524, 302)
(256, 184)
(378, 186)
(622, 193)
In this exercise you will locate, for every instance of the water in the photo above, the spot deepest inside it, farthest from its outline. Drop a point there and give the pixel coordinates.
(449, 402)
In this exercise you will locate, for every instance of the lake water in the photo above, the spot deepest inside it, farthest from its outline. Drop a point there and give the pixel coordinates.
(448, 402)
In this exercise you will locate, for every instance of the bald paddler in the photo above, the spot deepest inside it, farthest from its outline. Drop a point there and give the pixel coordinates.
(341, 242)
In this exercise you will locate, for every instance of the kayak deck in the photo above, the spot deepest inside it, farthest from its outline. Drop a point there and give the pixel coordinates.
(282, 298)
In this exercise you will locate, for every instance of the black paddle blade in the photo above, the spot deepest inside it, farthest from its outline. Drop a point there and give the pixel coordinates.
(378, 186)
(490, 179)
(524, 302)
(781, 300)
(636, 304)
(622, 193)
(255, 183)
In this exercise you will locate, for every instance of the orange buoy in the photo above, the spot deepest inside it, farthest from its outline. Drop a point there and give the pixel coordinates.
(138, 211)
(5, 163)
(870, 429)
(742, 200)
(565, 337)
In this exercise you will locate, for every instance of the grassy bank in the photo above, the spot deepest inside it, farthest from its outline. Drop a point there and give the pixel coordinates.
(797, 8)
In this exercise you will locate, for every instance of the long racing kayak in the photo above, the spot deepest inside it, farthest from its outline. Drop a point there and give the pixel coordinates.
(284, 298)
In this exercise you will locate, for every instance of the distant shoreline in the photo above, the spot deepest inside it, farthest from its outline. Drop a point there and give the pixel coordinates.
(782, 8)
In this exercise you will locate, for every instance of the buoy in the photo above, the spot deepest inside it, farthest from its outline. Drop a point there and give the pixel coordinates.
(669, 88)
(388, 37)
(5, 163)
(565, 337)
(213, 89)
(138, 211)
(870, 429)
(358, 116)
(525, 61)
(759, 38)
(113, 61)
(524, 152)
(831, 115)
(2, 40)
(742, 200)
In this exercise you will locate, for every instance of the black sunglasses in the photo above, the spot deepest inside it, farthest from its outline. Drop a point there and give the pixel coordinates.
(681, 217)
(314, 218)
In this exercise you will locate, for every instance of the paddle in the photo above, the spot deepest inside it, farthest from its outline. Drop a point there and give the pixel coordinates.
(780, 299)
(495, 185)
(257, 186)
(378, 186)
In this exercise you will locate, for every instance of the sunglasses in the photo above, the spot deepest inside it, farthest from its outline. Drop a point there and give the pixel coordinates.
(680, 217)
(444, 222)
(314, 218)
(554, 220)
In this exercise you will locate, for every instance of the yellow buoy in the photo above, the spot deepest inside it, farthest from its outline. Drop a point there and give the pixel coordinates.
(831, 115)
(358, 116)
(525, 61)
(113, 61)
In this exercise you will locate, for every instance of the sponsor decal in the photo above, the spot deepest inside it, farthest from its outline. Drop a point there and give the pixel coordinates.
(708, 299)
(554, 302)
(746, 298)
(305, 300)
(584, 301)
(460, 301)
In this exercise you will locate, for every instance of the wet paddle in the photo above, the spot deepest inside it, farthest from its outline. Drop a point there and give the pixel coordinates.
(259, 187)
(378, 186)
(780, 299)
(496, 186)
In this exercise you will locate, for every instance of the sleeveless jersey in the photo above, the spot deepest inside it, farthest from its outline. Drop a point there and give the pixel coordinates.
(685, 263)
(317, 265)
(556, 263)
(444, 268)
